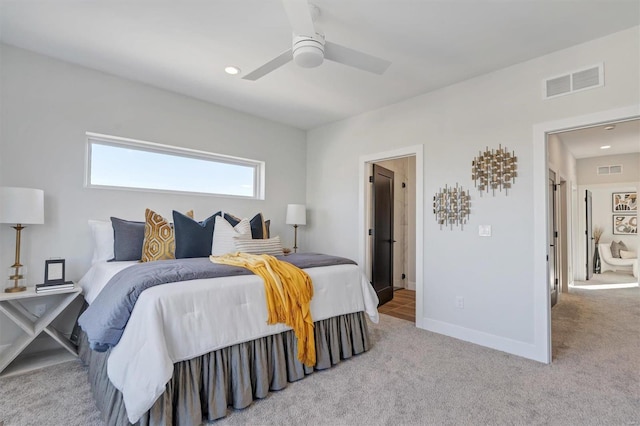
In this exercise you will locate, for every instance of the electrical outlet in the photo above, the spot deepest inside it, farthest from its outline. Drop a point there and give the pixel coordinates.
(40, 309)
(459, 302)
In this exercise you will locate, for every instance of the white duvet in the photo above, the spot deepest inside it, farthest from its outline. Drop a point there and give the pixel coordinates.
(179, 321)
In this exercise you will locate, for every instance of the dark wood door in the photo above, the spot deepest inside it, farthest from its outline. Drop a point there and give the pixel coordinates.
(382, 265)
(553, 238)
(589, 235)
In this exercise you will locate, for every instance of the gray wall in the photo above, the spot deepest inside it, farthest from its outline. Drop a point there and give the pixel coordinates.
(48, 105)
(602, 187)
(494, 275)
(587, 169)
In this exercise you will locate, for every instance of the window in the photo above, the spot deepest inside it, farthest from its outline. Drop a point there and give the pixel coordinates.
(114, 162)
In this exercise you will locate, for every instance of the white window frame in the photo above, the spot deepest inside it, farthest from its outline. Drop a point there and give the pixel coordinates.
(258, 166)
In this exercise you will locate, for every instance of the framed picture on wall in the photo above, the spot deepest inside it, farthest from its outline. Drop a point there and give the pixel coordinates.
(625, 202)
(625, 225)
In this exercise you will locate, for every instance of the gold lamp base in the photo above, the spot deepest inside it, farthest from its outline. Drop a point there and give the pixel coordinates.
(17, 276)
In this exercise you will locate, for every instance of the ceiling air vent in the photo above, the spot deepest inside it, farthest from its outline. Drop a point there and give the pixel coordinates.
(575, 81)
(610, 170)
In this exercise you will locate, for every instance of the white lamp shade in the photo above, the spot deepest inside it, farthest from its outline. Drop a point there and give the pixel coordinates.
(21, 205)
(296, 214)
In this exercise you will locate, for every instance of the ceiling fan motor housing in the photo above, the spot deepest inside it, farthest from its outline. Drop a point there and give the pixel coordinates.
(308, 52)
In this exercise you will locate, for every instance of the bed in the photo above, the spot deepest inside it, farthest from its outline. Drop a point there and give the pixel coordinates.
(192, 349)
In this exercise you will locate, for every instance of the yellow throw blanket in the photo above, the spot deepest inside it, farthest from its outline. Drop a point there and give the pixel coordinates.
(289, 291)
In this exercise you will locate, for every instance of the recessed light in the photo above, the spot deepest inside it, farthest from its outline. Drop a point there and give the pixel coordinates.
(605, 147)
(232, 70)
(611, 127)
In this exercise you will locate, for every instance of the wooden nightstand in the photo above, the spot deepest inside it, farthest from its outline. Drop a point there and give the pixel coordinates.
(11, 360)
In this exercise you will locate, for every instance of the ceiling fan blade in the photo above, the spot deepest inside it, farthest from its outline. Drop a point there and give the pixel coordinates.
(299, 17)
(355, 58)
(276, 62)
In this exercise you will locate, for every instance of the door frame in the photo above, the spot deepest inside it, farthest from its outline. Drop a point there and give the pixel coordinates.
(416, 151)
(542, 309)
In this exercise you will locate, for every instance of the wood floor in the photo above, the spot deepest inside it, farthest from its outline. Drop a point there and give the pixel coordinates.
(402, 306)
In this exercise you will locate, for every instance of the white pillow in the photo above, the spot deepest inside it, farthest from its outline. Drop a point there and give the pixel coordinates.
(270, 246)
(624, 254)
(102, 238)
(224, 233)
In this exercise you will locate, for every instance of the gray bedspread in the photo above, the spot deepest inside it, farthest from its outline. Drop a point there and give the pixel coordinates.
(105, 319)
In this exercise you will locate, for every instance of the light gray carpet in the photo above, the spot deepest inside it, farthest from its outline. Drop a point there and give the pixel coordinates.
(411, 376)
(608, 277)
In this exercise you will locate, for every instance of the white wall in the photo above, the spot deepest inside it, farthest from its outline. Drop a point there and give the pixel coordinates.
(494, 275)
(560, 160)
(602, 187)
(564, 165)
(602, 214)
(587, 169)
(48, 105)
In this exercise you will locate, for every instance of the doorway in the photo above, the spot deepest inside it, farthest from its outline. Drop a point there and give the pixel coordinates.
(588, 206)
(407, 266)
(574, 263)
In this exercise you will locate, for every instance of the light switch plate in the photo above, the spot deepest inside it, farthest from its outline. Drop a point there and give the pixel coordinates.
(484, 230)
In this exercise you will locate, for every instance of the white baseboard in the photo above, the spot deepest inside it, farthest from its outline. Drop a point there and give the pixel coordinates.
(515, 347)
(411, 285)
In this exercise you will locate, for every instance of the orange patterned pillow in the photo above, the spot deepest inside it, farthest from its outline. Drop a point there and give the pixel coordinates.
(159, 241)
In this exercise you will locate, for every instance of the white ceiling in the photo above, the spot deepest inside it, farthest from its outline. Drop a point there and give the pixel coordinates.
(624, 138)
(183, 46)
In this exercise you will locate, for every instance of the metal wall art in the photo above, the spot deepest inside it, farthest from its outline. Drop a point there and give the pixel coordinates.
(451, 205)
(495, 169)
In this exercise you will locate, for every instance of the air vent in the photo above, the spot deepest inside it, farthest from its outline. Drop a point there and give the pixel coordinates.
(559, 86)
(575, 81)
(610, 170)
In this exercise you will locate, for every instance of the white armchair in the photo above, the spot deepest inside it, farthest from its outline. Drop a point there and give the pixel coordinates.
(610, 263)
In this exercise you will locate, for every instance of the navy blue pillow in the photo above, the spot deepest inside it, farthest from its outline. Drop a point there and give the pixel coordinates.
(259, 228)
(128, 237)
(193, 238)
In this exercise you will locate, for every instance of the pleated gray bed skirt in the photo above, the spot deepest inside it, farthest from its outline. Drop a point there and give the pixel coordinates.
(203, 388)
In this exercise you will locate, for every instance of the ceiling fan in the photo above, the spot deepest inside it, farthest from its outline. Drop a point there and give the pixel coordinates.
(309, 47)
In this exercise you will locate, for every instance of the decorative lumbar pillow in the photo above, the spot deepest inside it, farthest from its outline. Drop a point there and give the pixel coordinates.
(102, 237)
(159, 242)
(224, 233)
(616, 247)
(271, 246)
(258, 225)
(128, 237)
(193, 238)
(626, 254)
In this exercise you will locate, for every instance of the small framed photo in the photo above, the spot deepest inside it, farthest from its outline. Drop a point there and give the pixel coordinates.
(625, 225)
(624, 202)
(54, 271)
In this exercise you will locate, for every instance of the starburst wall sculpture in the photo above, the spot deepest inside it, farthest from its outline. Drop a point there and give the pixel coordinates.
(495, 169)
(451, 206)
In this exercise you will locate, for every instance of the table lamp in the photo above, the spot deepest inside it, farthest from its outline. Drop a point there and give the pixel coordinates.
(296, 215)
(20, 206)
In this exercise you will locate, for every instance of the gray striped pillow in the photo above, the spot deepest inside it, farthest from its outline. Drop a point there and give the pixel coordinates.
(271, 246)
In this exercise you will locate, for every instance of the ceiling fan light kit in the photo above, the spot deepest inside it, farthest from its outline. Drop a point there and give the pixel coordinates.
(309, 47)
(308, 52)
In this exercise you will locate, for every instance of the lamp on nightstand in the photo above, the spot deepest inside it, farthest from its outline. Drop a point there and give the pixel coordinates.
(20, 206)
(296, 215)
